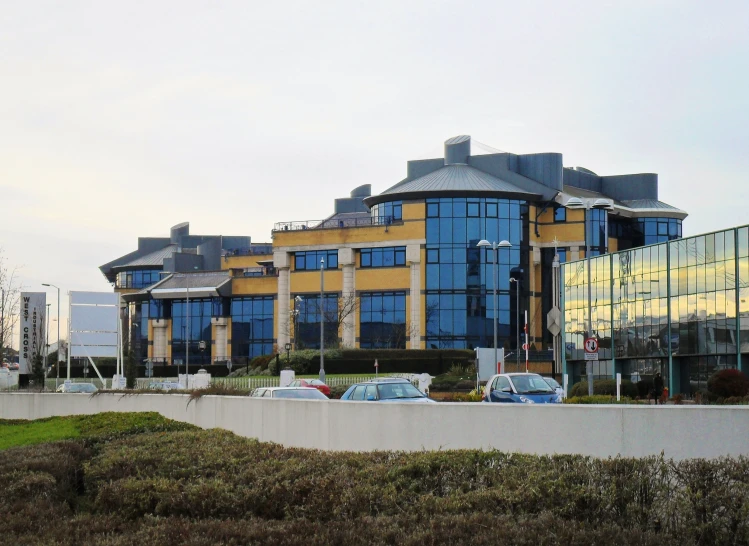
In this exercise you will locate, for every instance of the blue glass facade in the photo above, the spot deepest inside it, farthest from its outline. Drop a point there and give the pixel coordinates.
(310, 260)
(385, 213)
(596, 231)
(382, 320)
(307, 321)
(459, 282)
(137, 279)
(252, 326)
(383, 257)
(644, 231)
(200, 329)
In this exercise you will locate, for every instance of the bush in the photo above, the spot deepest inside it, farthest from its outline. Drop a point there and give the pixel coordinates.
(336, 391)
(728, 383)
(597, 399)
(604, 387)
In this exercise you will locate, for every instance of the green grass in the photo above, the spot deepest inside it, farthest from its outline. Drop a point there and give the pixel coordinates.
(13, 434)
(99, 427)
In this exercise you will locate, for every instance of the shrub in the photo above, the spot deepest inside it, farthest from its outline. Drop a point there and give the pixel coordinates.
(728, 383)
(604, 387)
(336, 391)
(597, 399)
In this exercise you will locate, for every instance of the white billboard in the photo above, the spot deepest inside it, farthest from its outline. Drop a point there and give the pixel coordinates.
(31, 341)
(94, 319)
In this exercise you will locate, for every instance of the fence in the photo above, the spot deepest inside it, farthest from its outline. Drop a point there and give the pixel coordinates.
(249, 383)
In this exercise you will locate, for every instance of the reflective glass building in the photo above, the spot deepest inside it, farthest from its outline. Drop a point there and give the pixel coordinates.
(679, 308)
(402, 268)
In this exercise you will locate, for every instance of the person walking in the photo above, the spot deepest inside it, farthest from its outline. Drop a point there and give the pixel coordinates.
(657, 387)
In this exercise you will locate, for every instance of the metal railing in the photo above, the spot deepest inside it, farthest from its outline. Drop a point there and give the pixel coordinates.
(335, 223)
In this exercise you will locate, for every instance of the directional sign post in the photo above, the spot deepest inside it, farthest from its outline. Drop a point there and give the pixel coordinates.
(591, 349)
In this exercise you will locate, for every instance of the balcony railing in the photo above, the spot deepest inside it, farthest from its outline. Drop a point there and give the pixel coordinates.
(336, 223)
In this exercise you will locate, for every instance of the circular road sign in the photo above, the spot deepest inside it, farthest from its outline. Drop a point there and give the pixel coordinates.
(591, 345)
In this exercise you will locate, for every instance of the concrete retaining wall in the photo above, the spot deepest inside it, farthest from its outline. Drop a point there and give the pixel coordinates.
(680, 432)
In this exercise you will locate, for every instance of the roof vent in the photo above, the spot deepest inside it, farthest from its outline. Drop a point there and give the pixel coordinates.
(457, 150)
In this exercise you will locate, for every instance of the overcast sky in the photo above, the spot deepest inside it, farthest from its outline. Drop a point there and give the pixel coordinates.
(121, 119)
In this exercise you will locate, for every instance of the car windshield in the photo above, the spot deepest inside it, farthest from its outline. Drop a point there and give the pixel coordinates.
(81, 387)
(552, 383)
(531, 384)
(394, 391)
(308, 394)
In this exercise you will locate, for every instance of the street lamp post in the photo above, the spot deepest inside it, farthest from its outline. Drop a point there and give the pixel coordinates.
(577, 203)
(57, 380)
(517, 305)
(46, 341)
(494, 245)
(322, 320)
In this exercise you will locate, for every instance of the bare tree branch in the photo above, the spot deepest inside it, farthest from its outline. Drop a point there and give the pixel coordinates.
(10, 300)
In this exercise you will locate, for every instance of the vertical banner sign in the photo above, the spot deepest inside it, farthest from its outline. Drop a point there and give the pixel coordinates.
(31, 341)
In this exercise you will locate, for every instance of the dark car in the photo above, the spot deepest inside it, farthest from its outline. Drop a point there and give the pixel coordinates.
(520, 388)
(385, 391)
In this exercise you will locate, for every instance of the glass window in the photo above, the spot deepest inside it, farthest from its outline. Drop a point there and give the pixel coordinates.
(382, 320)
(252, 326)
(560, 214)
(310, 260)
(383, 257)
(305, 321)
(386, 213)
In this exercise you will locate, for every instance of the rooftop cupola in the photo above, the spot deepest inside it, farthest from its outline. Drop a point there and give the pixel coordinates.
(457, 150)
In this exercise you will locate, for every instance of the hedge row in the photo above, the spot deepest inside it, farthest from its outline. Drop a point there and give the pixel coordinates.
(209, 487)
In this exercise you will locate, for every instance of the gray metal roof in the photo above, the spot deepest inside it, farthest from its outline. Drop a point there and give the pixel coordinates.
(155, 258)
(636, 207)
(456, 179)
(212, 279)
(650, 204)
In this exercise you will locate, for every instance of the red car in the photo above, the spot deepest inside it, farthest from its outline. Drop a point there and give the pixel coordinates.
(314, 383)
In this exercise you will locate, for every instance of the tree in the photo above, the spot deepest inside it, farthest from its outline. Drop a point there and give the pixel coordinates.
(347, 304)
(38, 372)
(131, 371)
(10, 298)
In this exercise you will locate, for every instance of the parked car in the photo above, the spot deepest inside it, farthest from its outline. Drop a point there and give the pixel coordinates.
(166, 386)
(314, 383)
(84, 388)
(386, 391)
(520, 388)
(299, 393)
(554, 384)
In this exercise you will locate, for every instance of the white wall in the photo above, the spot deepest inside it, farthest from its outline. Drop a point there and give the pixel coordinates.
(681, 432)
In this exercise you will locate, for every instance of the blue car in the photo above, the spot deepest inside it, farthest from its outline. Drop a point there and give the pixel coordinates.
(520, 388)
(391, 390)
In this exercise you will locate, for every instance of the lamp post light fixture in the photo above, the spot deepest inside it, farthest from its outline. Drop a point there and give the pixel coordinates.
(494, 245)
(57, 380)
(322, 320)
(577, 203)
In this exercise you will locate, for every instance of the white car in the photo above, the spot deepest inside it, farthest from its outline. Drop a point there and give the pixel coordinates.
(82, 388)
(554, 384)
(298, 393)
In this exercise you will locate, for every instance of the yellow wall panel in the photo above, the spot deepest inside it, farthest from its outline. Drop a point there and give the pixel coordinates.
(390, 278)
(309, 281)
(249, 286)
(229, 262)
(337, 237)
(414, 210)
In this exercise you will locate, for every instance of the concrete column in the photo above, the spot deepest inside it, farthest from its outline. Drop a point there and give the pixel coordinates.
(160, 338)
(220, 338)
(347, 260)
(413, 257)
(282, 262)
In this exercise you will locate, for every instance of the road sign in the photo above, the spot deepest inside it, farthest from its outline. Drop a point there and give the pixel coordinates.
(591, 349)
(525, 346)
